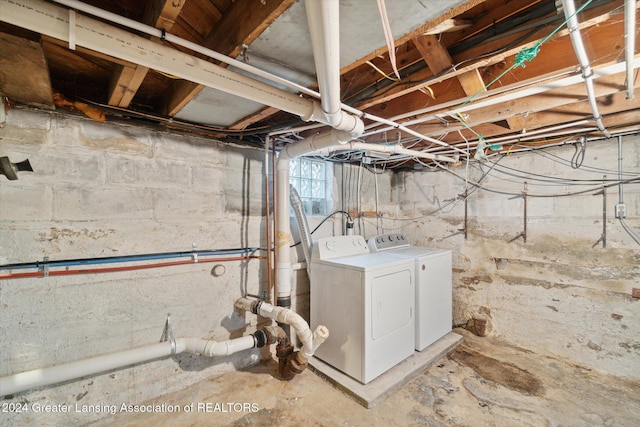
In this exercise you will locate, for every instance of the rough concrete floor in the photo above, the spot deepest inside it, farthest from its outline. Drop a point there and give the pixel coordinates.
(482, 383)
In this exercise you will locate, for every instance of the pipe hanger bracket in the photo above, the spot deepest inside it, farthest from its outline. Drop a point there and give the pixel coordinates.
(167, 334)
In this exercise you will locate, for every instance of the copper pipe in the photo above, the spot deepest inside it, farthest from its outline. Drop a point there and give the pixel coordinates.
(275, 216)
(268, 218)
(123, 268)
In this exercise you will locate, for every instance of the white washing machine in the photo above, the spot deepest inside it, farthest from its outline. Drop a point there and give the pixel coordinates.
(367, 302)
(433, 270)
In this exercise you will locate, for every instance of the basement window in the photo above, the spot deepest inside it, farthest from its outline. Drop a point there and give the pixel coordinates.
(312, 180)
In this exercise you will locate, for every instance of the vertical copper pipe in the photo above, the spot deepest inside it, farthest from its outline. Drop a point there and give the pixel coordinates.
(268, 218)
(524, 194)
(604, 212)
(275, 216)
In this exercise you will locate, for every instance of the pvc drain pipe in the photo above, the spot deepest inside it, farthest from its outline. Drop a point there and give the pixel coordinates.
(17, 383)
(310, 341)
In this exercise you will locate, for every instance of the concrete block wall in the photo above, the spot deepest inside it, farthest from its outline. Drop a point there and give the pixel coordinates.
(105, 189)
(560, 293)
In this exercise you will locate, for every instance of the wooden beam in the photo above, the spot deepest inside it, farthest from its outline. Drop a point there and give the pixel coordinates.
(32, 87)
(592, 20)
(241, 24)
(433, 53)
(605, 87)
(448, 26)
(125, 82)
(451, 13)
(603, 26)
(126, 79)
(438, 60)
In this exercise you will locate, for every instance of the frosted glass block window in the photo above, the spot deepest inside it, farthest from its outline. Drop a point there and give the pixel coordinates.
(312, 180)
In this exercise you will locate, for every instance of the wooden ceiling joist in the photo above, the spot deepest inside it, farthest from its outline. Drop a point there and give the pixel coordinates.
(126, 79)
(241, 24)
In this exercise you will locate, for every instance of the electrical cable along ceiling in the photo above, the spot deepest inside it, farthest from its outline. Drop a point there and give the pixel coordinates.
(456, 79)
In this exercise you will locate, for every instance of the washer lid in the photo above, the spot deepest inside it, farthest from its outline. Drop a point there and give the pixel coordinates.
(369, 262)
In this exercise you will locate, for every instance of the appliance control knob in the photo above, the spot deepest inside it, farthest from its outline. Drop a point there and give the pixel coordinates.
(331, 245)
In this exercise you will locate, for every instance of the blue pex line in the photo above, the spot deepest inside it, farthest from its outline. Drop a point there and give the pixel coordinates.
(127, 258)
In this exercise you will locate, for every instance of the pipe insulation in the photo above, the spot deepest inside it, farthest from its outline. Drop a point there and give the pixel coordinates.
(57, 374)
(587, 73)
(53, 21)
(630, 42)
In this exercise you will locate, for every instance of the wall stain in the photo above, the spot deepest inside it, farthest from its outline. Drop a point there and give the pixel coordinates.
(66, 233)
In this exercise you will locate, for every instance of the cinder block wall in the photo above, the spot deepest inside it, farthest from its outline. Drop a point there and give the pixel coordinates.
(560, 293)
(107, 190)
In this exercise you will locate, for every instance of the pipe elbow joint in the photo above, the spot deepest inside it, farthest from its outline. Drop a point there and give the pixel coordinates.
(291, 365)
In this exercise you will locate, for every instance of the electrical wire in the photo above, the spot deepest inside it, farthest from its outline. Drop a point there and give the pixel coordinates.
(578, 155)
(544, 153)
(629, 231)
(345, 213)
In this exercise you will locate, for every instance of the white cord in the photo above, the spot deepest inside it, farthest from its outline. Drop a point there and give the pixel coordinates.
(388, 36)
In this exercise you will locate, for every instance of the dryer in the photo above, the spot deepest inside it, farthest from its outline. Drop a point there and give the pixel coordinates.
(367, 302)
(433, 298)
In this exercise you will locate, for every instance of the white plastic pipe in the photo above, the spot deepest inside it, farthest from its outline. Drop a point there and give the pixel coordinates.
(394, 149)
(630, 41)
(310, 341)
(283, 227)
(53, 21)
(587, 73)
(323, 18)
(212, 348)
(56, 374)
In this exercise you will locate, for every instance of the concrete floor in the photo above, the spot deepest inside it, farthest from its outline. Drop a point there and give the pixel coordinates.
(483, 382)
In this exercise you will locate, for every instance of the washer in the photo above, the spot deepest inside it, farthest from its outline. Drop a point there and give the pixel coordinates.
(433, 299)
(367, 302)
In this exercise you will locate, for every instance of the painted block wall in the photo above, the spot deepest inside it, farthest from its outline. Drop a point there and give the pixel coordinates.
(560, 293)
(111, 189)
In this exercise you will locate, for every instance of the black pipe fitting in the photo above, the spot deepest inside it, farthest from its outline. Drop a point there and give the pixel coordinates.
(284, 302)
(261, 338)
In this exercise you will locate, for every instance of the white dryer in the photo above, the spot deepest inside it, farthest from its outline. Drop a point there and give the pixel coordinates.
(433, 271)
(366, 300)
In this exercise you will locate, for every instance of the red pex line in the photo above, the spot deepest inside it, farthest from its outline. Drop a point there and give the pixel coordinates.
(124, 268)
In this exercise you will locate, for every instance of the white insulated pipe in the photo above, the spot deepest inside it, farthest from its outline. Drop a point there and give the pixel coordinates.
(630, 42)
(57, 374)
(587, 73)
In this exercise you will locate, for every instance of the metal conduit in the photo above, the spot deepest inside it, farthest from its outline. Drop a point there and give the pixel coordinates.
(587, 73)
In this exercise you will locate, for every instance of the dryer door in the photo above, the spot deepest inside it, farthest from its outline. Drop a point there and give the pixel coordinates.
(392, 303)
